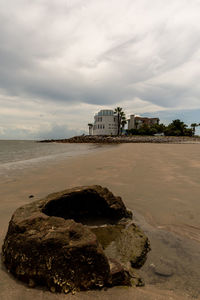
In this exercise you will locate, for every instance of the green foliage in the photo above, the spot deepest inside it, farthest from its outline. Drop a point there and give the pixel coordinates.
(121, 118)
(176, 128)
(148, 130)
(194, 125)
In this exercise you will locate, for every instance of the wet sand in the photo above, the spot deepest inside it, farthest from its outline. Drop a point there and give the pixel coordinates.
(159, 183)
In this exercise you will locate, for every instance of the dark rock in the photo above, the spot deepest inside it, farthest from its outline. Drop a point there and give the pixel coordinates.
(31, 196)
(107, 139)
(140, 282)
(41, 250)
(118, 274)
(74, 240)
(124, 241)
(87, 205)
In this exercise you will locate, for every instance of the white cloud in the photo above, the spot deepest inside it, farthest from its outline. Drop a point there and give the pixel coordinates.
(60, 61)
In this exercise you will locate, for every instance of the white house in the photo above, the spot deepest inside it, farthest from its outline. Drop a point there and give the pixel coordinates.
(105, 123)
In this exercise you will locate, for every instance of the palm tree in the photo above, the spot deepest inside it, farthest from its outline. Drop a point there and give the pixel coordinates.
(121, 119)
(194, 125)
(136, 124)
(90, 128)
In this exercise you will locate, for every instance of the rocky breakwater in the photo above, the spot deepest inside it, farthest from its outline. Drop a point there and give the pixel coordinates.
(105, 139)
(78, 239)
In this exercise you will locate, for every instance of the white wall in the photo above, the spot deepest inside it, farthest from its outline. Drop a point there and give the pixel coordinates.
(105, 125)
(131, 123)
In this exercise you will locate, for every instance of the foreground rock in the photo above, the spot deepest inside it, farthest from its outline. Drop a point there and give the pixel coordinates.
(78, 239)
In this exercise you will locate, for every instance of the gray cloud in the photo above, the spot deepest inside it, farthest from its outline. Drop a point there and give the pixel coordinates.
(99, 53)
(57, 132)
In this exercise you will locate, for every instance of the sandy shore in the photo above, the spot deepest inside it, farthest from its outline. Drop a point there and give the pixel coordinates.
(160, 183)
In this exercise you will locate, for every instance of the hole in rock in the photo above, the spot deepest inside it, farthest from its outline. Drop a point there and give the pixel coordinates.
(88, 208)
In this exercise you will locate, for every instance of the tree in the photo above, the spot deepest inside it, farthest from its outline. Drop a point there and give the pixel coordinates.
(178, 128)
(146, 129)
(194, 125)
(121, 119)
(123, 122)
(90, 128)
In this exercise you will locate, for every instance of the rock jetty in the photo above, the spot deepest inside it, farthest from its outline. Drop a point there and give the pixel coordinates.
(127, 139)
(78, 239)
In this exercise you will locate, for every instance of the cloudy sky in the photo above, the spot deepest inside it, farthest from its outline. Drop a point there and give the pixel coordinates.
(63, 60)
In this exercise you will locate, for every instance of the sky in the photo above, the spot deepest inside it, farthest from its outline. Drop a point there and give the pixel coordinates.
(63, 61)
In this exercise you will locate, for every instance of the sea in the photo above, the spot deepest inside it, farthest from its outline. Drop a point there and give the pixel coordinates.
(17, 155)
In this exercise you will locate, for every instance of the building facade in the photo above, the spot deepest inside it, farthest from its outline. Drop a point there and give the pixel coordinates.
(136, 122)
(105, 123)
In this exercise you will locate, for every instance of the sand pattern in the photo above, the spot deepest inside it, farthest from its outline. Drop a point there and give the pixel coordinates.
(160, 183)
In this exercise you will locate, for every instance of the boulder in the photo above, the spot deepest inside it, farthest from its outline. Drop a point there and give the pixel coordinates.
(78, 239)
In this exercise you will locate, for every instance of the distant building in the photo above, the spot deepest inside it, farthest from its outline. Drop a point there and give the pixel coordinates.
(105, 123)
(136, 122)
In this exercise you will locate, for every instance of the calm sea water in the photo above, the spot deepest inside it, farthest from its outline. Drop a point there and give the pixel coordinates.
(16, 155)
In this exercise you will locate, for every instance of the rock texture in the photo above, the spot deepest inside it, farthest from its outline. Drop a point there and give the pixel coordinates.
(77, 239)
(107, 139)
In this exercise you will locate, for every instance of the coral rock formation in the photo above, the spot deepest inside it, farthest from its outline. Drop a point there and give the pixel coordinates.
(78, 239)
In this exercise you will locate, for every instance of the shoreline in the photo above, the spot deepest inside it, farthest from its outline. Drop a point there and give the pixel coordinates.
(159, 183)
(10, 167)
(98, 139)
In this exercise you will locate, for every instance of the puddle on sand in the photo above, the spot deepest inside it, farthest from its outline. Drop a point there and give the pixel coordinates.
(174, 261)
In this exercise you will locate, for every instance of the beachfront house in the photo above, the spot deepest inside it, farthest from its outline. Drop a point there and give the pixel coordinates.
(135, 122)
(105, 123)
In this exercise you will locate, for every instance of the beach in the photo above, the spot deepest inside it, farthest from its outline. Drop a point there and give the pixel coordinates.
(160, 183)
